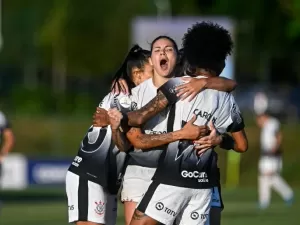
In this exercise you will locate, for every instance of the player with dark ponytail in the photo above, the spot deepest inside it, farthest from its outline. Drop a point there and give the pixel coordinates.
(136, 61)
(93, 178)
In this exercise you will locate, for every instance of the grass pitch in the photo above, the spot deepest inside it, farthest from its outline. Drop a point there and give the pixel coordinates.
(240, 208)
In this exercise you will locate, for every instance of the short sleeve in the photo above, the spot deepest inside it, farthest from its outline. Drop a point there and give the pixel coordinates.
(135, 97)
(229, 118)
(3, 122)
(106, 102)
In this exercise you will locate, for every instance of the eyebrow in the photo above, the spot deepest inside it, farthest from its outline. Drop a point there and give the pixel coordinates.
(167, 46)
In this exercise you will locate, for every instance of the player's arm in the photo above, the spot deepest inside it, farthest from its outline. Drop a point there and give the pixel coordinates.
(166, 95)
(231, 121)
(100, 116)
(120, 140)
(236, 129)
(193, 86)
(234, 124)
(8, 139)
(147, 141)
(237, 141)
(118, 136)
(135, 118)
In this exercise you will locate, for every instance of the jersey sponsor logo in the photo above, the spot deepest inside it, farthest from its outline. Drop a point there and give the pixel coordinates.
(194, 215)
(172, 90)
(201, 176)
(100, 208)
(205, 115)
(160, 206)
(204, 216)
(76, 161)
(173, 83)
(155, 132)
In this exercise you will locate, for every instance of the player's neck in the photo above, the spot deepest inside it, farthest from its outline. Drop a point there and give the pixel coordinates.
(158, 81)
(204, 72)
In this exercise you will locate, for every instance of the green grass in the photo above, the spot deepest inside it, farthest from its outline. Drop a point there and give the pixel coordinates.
(240, 209)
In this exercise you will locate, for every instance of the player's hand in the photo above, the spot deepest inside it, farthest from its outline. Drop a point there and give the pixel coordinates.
(191, 88)
(120, 86)
(100, 118)
(193, 132)
(115, 118)
(208, 142)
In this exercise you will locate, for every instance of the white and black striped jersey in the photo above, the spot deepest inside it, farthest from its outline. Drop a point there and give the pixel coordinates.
(142, 94)
(179, 165)
(98, 159)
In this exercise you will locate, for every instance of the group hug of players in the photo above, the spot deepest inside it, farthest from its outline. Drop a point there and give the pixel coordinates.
(153, 137)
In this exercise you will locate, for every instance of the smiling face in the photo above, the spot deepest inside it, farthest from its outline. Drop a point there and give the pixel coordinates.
(163, 57)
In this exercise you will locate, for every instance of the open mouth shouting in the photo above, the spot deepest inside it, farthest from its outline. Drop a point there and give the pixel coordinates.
(164, 64)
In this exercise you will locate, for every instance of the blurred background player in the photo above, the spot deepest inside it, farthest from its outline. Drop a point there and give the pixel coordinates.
(7, 140)
(270, 163)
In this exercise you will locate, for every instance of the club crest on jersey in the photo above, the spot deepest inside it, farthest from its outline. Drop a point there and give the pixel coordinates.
(100, 208)
(125, 102)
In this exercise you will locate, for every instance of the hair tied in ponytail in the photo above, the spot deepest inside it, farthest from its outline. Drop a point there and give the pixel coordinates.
(135, 48)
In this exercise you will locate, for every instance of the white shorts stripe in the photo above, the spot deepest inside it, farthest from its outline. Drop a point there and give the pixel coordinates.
(89, 201)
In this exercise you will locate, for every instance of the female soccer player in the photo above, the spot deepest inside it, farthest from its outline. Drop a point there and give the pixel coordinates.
(92, 178)
(142, 164)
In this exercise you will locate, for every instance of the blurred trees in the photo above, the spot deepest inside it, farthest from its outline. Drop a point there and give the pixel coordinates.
(53, 42)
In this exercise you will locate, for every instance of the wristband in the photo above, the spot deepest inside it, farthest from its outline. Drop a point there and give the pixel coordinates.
(227, 142)
(168, 90)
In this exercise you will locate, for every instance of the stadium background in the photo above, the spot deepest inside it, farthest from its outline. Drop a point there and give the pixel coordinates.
(56, 63)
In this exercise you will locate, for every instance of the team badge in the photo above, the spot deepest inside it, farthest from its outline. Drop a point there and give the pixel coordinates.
(100, 208)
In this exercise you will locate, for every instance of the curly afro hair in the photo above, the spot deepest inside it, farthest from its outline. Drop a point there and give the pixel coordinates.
(206, 45)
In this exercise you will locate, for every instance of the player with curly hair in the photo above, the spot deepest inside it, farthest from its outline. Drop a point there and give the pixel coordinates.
(184, 180)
